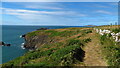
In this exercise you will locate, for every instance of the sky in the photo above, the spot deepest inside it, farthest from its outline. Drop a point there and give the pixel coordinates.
(59, 13)
(60, 0)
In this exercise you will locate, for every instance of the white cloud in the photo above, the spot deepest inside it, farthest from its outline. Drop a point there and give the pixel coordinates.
(104, 12)
(60, 0)
(114, 3)
(43, 7)
(42, 17)
(27, 12)
(102, 6)
(19, 10)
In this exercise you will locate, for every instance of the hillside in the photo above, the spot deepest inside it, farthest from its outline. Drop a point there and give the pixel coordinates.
(69, 47)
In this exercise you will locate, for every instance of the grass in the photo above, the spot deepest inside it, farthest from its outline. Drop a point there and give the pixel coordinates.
(59, 54)
(34, 33)
(53, 56)
(66, 33)
(63, 53)
(86, 40)
(116, 30)
(111, 51)
(73, 41)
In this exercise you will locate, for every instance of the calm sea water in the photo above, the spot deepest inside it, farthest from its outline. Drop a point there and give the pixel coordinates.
(11, 35)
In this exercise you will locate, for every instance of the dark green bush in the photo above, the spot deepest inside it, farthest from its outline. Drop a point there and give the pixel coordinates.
(59, 54)
(33, 33)
(111, 51)
(66, 33)
(79, 36)
(88, 31)
(87, 40)
(73, 41)
(116, 30)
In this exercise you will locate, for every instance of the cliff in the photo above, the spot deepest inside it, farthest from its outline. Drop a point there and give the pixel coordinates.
(36, 39)
(66, 47)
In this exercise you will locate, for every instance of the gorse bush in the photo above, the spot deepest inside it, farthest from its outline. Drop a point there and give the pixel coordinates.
(116, 30)
(58, 55)
(79, 36)
(34, 33)
(111, 51)
(53, 56)
(61, 33)
(64, 51)
(88, 31)
(73, 42)
(87, 40)
(67, 59)
(102, 38)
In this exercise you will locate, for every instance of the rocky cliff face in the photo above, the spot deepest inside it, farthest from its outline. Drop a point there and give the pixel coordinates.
(53, 47)
(36, 41)
(67, 47)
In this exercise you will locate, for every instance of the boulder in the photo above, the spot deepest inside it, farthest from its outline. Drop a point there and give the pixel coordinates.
(22, 36)
(2, 43)
(7, 45)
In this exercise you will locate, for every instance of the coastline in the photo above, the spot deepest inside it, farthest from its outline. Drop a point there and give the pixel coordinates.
(53, 42)
(11, 35)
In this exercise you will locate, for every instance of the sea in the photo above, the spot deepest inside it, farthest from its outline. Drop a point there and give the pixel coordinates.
(11, 35)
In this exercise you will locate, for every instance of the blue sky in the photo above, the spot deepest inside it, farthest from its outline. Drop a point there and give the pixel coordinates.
(59, 13)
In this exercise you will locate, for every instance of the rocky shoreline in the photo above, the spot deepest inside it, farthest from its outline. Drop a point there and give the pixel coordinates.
(35, 40)
(4, 44)
(68, 46)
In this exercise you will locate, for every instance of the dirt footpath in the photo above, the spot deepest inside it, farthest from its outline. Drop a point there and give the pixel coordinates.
(93, 54)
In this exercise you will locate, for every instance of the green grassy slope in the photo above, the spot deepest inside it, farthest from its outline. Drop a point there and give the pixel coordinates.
(111, 49)
(67, 48)
(66, 51)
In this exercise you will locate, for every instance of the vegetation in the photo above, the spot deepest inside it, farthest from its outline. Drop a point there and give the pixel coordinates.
(34, 33)
(65, 52)
(111, 50)
(116, 30)
(73, 41)
(67, 48)
(65, 33)
(87, 40)
(52, 57)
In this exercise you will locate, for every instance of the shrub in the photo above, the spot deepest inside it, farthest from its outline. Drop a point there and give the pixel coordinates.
(111, 51)
(73, 41)
(79, 36)
(57, 56)
(62, 33)
(116, 30)
(88, 31)
(33, 33)
(67, 59)
(87, 40)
